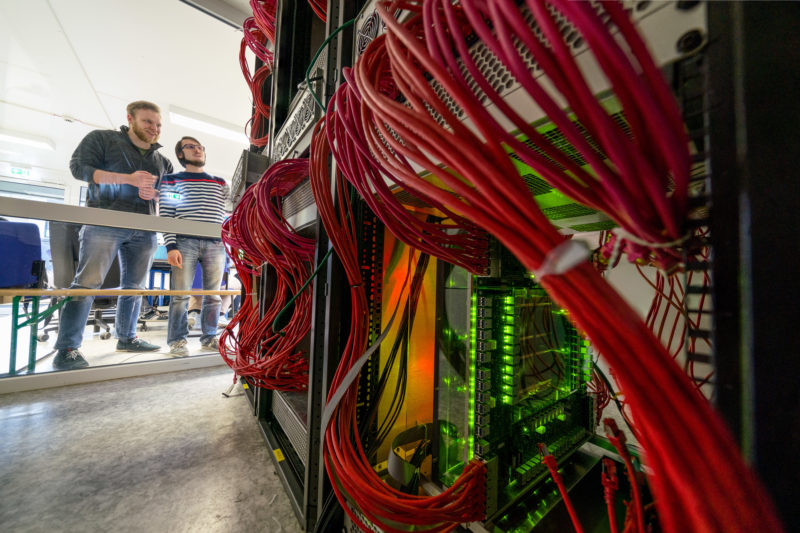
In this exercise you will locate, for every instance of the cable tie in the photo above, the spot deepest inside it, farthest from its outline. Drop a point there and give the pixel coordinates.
(563, 258)
(623, 234)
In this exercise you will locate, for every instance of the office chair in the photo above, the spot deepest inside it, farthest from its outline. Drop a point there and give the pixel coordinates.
(22, 253)
(64, 249)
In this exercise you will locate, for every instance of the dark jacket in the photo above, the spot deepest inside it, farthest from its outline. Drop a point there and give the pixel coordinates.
(113, 151)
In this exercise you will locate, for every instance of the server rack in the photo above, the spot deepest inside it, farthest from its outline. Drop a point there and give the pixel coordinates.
(751, 298)
(753, 135)
(291, 421)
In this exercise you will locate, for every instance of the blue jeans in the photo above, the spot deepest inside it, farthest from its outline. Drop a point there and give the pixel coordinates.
(211, 256)
(99, 246)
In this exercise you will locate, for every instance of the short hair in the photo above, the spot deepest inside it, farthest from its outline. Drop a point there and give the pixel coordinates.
(133, 107)
(179, 149)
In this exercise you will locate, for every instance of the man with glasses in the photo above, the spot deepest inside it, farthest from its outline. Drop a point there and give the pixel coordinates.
(193, 195)
(122, 169)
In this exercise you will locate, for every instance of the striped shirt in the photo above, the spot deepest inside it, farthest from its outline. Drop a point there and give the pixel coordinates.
(192, 196)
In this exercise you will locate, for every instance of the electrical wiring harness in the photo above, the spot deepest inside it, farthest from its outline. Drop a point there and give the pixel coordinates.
(699, 478)
(256, 234)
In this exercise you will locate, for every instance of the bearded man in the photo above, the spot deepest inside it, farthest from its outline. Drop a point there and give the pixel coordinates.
(122, 169)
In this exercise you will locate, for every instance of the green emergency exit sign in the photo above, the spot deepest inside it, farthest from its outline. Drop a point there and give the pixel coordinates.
(21, 172)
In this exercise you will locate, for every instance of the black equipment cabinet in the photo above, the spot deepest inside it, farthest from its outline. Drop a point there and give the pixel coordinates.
(754, 53)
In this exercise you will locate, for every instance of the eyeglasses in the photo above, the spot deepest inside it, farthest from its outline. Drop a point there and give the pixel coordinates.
(194, 147)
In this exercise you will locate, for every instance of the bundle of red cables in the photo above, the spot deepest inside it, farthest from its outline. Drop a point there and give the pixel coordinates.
(451, 237)
(259, 30)
(352, 477)
(699, 478)
(646, 165)
(257, 233)
(320, 8)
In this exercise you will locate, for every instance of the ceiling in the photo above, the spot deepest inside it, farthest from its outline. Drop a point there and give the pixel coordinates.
(70, 66)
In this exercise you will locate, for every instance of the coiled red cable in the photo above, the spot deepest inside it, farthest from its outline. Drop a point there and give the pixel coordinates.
(256, 234)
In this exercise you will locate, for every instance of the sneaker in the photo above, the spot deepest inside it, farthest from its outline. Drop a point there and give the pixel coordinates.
(192, 319)
(69, 360)
(136, 345)
(178, 348)
(210, 345)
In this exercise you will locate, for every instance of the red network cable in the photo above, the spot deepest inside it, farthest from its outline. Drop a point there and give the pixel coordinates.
(259, 37)
(452, 238)
(264, 15)
(700, 480)
(610, 485)
(552, 467)
(257, 234)
(617, 439)
(352, 477)
(320, 8)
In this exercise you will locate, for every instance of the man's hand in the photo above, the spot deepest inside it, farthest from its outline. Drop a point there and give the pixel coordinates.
(148, 194)
(175, 258)
(144, 181)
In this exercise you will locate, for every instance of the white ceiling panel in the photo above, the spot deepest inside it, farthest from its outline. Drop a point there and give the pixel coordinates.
(69, 66)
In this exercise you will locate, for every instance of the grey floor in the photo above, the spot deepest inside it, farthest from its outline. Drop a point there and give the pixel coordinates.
(97, 351)
(163, 453)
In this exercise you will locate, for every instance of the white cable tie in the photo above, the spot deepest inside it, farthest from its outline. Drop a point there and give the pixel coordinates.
(563, 258)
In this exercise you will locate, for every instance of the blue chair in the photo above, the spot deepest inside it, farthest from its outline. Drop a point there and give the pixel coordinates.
(24, 269)
(22, 255)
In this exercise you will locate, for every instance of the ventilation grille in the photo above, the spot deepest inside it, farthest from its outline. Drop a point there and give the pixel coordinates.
(367, 32)
(594, 226)
(566, 211)
(291, 424)
(303, 115)
(297, 200)
(536, 184)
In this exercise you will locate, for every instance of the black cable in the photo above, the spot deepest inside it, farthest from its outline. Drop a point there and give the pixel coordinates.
(613, 396)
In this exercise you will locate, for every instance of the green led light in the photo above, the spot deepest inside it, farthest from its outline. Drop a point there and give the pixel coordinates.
(508, 330)
(509, 300)
(473, 330)
(508, 359)
(508, 370)
(507, 399)
(508, 348)
(541, 430)
(508, 389)
(508, 339)
(562, 417)
(508, 379)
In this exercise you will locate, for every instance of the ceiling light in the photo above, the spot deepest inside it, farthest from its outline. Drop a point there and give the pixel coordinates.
(212, 126)
(27, 140)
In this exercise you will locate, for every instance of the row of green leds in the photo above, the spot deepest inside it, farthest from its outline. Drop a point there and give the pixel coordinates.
(509, 342)
(473, 355)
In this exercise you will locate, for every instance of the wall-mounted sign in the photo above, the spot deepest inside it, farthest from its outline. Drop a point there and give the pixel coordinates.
(20, 172)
